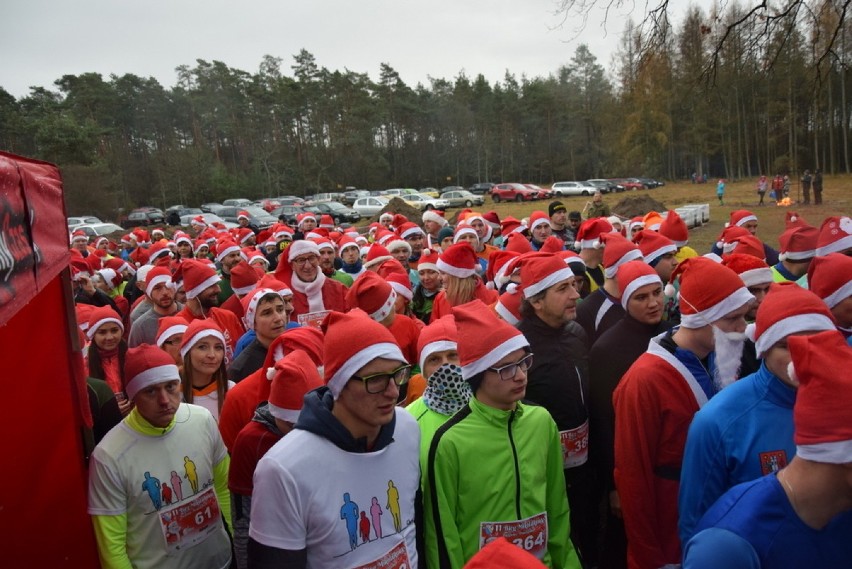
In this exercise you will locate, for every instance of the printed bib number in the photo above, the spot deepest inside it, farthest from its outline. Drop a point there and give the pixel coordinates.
(575, 445)
(529, 534)
(189, 523)
(313, 319)
(396, 558)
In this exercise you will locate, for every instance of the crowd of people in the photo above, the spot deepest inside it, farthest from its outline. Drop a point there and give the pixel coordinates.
(550, 391)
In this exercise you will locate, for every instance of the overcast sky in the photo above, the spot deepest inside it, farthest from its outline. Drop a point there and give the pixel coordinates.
(45, 39)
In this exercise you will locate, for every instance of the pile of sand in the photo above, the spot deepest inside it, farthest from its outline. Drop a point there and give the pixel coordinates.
(638, 204)
(396, 205)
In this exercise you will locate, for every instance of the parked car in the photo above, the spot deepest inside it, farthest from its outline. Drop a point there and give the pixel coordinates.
(512, 192)
(605, 186)
(573, 189)
(143, 216)
(650, 183)
(630, 184)
(237, 202)
(174, 213)
(290, 200)
(370, 206)
(338, 212)
(424, 202)
(287, 213)
(481, 188)
(209, 219)
(98, 229)
(462, 198)
(431, 192)
(210, 207)
(399, 192)
(350, 196)
(268, 204)
(257, 215)
(542, 193)
(82, 220)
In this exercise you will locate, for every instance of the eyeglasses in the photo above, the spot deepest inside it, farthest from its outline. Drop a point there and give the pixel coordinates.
(378, 382)
(509, 371)
(302, 261)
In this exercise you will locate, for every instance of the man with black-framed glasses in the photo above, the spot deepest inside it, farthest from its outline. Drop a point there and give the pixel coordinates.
(339, 490)
(495, 468)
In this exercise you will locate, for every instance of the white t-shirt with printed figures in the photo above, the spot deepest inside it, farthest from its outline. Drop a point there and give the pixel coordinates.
(347, 509)
(164, 484)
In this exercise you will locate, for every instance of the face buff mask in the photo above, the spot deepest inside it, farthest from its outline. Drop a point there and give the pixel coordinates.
(446, 391)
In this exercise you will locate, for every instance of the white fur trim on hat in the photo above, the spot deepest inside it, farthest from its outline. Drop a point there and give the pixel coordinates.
(386, 308)
(737, 299)
(348, 245)
(397, 243)
(664, 250)
(90, 333)
(495, 355)
(455, 271)
(835, 247)
(632, 255)
(301, 247)
(426, 267)
(462, 231)
(539, 221)
(402, 290)
(839, 295)
(746, 219)
(208, 333)
(430, 215)
(635, 285)
(505, 314)
(326, 245)
(159, 279)
(169, 332)
(289, 415)
(588, 244)
(151, 376)
(797, 255)
(836, 452)
(210, 281)
(754, 277)
(244, 289)
(358, 360)
(436, 346)
(791, 325)
(411, 231)
(227, 251)
(548, 281)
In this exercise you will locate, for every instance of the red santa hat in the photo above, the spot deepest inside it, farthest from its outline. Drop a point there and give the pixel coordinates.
(752, 271)
(301, 247)
(708, 291)
(111, 277)
(401, 283)
(398, 220)
(254, 257)
(242, 235)
(674, 227)
(157, 231)
(147, 365)
(793, 219)
(353, 340)
(198, 221)
(435, 215)
(167, 327)
(552, 244)
(498, 264)
(492, 219)
(224, 248)
(574, 261)
(302, 217)
(250, 302)
(409, 229)
(538, 218)
(181, 237)
(157, 250)
(157, 276)
(632, 276)
(540, 271)
(788, 309)
(835, 235)
(326, 221)
(346, 242)
(637, 221)
(483, 339)
(508, 305)
(269, 281)
(428, 260)
(729, 236)
(458, 260)
(376, 255)
(589, 234)
(119, 265)
(518, 243)
(397, 243)
(281, 231)
(830, 278)
(197, 276)
(306, 338)
(749, 245)
(617, 251)
(386, 215)
(740, 217)
(372, 294)
(295, 374)
(510, 225)
(79, 235)
(653, 245)
(83, 312)
(463, 229)
(100, 316)
(823, 425)
(798, 243)
(439, 336)
(325, 243)
(140, 236)
(198, 330)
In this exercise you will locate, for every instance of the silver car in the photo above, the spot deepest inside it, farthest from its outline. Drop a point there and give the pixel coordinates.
(462, 198)
(370, 205)
(573, 189)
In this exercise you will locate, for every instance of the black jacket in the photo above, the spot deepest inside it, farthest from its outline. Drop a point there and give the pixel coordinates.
(587, 315)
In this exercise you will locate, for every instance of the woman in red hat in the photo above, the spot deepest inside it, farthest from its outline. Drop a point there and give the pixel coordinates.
(205, 382)
(107, 350)
(457, 265)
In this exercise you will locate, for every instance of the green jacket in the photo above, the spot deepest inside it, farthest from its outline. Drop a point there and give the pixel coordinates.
(597, 210)
(489, 465)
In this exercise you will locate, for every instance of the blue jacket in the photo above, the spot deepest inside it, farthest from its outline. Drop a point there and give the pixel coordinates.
(743, 433)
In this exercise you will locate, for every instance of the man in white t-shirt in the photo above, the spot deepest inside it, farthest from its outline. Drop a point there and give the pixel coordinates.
(338, 491)
(158, 481)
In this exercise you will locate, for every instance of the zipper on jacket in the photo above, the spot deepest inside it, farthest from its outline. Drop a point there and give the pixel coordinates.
(517, 468)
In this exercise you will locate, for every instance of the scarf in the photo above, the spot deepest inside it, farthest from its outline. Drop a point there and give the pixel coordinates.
(313, 290)
(354, 268)
(109, 361)
(446, 391)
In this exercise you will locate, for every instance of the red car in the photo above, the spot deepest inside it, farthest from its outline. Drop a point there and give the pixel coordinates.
(629, 184)
(542, 193)
(512, 192)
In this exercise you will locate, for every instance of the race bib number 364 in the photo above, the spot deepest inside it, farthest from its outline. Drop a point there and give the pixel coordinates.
(529, 534)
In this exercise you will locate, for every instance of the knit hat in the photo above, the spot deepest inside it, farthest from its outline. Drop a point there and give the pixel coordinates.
(589, 234)
(788, 309)
(400, 282)
(835, 235)
(617, 251)
(752, 271)
(147, 365)
(428, 260)
(250, 302)
(708, 291)
(653, 245)
(352, 340)
(372, 294)
(445, 232)
(632, 276)
(156, 276)
(439, 336)
(197, 277)
(749, 245)
(100, 316)
(434, 215)
(168, 326)
(830, 278)
(823, 429)
(541, 271)
(538, 218)
(674, 227)
(483, 339)
(554, 207)
(458, 260)
(196, 331)
(740, 217)
(508, 306)
(295, 374)
(798, 243)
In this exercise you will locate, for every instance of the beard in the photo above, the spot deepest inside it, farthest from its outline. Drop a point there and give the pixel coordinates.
(729, 351)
